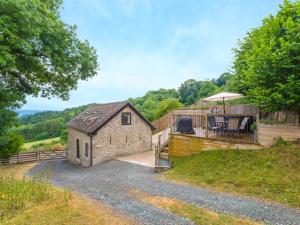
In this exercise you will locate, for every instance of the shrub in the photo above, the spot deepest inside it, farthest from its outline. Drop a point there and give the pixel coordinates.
(280, 142)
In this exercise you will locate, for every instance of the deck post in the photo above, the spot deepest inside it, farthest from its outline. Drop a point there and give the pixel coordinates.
(206, 126)
(257, 128)
(38, 155)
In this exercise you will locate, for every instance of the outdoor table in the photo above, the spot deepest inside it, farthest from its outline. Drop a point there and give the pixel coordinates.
(221, 123)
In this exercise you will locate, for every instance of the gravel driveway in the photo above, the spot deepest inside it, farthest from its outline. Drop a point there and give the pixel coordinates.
(112, 181)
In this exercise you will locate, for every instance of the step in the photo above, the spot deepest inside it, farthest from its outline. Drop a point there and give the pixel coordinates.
(162, 166)
(164, 155)
(166, 149)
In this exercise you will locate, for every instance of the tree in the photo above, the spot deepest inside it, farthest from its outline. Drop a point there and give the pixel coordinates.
(222, 79)
(149, 103)
(39, 53)
(207, 88)
(168, 105)
(188, 91)
(267, 61)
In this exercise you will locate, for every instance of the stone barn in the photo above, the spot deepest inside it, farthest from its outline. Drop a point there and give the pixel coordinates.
(104, 131)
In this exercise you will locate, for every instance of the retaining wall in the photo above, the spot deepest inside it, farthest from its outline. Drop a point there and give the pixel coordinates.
(267, 132)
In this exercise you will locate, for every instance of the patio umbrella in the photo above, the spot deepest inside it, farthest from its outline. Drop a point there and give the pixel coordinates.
(223, 96)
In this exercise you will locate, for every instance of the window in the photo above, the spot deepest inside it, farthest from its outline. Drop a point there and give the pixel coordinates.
(126, 118)
(77, 149)
(86, 150)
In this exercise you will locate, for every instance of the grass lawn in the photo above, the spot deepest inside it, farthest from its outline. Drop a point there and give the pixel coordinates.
(28, 145)
(272, 173)
(196, 214)
(35, 201)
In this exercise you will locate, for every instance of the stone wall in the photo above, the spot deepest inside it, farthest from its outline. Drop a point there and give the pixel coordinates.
(115, 139)
(187, 145)
(72, 147)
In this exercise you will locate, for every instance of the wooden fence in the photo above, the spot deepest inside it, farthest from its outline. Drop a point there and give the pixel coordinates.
(163, 122)
(288, 117)
(33, 156)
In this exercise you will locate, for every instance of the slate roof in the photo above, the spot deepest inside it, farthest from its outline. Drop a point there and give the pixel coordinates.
(96, 116)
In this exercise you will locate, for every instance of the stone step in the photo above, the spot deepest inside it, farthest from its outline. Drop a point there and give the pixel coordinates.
(164, 155)
(166, 149)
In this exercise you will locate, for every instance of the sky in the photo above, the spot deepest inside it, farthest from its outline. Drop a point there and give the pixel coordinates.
(145, 45)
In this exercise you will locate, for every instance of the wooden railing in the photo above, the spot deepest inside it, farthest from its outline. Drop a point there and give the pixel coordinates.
(202, 127)
(33, 156)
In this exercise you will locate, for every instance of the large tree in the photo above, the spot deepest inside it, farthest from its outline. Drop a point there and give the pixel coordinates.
(207, 89)
(222, 79)
(267, 61)
(40, 55)
(189, 90)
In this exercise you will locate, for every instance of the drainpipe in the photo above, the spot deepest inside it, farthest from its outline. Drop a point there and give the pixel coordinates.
(91, 150)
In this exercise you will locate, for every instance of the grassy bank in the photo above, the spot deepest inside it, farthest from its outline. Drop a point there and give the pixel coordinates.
(29, 145)
(35, 201)
(45, 145)
(196, 214)
(272, 173)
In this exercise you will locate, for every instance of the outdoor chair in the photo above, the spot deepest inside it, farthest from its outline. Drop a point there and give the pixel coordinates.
(233, 125)
(243, 124)
(216, 127)
(212, 124)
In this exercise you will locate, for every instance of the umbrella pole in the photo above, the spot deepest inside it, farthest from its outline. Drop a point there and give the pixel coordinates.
(224, 104)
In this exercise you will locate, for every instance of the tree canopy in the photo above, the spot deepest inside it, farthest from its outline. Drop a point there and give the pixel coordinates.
(267, 61)
(188, 91)
(40, 55)
(149, 104)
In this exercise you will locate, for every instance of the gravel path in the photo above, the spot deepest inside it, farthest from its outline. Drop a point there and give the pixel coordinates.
(112, 181)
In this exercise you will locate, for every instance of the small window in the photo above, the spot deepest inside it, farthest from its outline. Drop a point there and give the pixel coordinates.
(126, 118)
(77, 149)
(86, 149)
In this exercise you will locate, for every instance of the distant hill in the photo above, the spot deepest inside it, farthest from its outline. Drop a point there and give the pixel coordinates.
(27, 112)
(38, 125)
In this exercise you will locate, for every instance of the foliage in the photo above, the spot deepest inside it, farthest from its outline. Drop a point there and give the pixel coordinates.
(267, 61)
(39, 55)
(222, 79)
(38, 52)
(64, 136)
(10, 143)
(253, 126)
(207, 88)
(168, 105)
(46, 125)
(148, 104)
(272, 173)
(188, 91)
(16, 194)
(280, 142)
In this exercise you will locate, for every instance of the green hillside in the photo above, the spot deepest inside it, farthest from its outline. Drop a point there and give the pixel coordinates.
(46, 125)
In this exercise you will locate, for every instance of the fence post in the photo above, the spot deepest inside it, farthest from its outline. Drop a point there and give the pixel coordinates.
(206, 126)
(38, 155)
(257, 128)
(17, 157)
